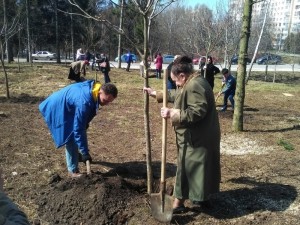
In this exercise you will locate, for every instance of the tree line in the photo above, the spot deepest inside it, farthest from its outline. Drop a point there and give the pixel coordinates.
(60, 27)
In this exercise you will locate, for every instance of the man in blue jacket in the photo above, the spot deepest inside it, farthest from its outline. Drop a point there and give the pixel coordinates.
(228, 90)
(128, 60)
(68, 112)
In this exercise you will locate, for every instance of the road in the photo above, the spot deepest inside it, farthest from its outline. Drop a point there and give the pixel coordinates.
(256, 67)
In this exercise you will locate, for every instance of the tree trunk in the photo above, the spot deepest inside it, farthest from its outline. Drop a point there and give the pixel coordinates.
(121, 2)
(72, 37)
(258, 42)
(146, 109)
(237, 123)
(4, 70)
(29, 54)
(57, 35)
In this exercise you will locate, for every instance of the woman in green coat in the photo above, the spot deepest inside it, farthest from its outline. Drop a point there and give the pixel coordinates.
(196, 124)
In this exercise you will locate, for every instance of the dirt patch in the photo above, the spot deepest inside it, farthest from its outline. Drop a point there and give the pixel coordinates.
(83, 200)
(260, 178)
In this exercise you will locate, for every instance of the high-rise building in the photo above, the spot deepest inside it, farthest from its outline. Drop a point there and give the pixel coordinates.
(283, 16)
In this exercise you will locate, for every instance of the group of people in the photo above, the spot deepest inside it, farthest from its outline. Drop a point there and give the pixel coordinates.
(69, 111)
(78, 68)
(209, 70)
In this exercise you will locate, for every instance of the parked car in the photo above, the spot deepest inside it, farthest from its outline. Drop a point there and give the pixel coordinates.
(269, 59)
(123, 58)
(44, 55)
(234, 60)
(167, 59)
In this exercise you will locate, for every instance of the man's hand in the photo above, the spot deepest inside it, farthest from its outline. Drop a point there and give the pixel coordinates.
(86, 157)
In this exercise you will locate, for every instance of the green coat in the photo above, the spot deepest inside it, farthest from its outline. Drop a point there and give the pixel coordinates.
(196, 124)
(10, 214)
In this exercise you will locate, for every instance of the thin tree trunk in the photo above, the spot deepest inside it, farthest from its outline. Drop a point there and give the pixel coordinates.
(57, 35)
(4, 70)
(29, 54)
(146, 109)
(237, 123)
(258, 42)
(72, 37)
(121, 2)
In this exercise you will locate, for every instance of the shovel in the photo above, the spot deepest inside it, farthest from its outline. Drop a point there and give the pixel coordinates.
(161, 203)
(88, 167)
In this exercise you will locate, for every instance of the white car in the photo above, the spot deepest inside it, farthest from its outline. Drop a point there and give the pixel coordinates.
(44, 55)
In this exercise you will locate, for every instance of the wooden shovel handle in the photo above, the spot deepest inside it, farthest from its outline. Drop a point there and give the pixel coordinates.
(164, 130)
(88, 167)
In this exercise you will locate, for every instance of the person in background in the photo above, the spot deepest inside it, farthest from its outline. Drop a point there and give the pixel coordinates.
(202, 61)
(196, 124)
(78, 54)
(209, 71)
(77, 69)
(93, 58)
(68, 112)
(128, 60)
(104, 67)
(142, 67)
(10, 214)
(158, 65)
(170, 83)
(228, 91)
(87, 56)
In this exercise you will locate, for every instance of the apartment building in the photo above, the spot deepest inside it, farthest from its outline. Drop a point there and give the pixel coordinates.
(283, 16)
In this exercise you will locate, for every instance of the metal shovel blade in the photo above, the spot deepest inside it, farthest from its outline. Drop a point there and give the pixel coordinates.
(161, 207)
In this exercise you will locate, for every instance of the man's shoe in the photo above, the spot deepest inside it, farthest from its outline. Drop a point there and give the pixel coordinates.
(75, 175)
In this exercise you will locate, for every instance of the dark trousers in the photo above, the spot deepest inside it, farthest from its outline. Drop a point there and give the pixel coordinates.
(106, 77)
(128, 67)
(229, 96)
(73, 75)
(158, 73)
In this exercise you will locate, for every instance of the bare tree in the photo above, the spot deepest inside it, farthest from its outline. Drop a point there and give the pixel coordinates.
(149, 9)
(6, 33)
(258, 41)
(237, 123)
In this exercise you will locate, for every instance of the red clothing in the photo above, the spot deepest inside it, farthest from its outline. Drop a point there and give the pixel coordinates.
(158, 62)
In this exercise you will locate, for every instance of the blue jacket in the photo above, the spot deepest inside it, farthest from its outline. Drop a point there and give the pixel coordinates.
(68, 112)
(128, 58)
(230, 85)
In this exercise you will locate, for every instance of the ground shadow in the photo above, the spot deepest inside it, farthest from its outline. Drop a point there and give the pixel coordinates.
(259, 196)
(22, 98)
(137, 169)
(292, 127)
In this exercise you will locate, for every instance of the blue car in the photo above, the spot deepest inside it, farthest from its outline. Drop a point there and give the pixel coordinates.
(167, 59)
(269, 59)
(123, 58)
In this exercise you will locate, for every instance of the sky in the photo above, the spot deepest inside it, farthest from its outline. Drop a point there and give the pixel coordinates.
(210, 3)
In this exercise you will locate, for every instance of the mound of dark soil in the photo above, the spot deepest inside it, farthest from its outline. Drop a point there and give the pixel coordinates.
(94, 199)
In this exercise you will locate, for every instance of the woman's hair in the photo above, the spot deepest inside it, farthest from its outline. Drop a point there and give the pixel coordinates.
(211, 59)
(110, 89)
(182, 64)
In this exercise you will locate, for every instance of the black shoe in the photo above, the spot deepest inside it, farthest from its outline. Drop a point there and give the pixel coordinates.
(203, 204)
(179, 209)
